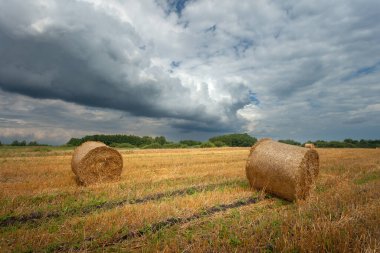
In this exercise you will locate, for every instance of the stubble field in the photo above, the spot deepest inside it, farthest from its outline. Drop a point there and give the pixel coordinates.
(185, 200)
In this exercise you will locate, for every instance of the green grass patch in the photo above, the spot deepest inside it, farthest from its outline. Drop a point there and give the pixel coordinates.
(281, 202)
(371, 176)
(41, 149)
(321, 188)
(234, 240)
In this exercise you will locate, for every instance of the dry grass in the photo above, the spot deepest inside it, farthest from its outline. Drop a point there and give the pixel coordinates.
(341, 215)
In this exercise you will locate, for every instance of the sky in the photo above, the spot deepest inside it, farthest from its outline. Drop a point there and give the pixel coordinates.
(189, 69)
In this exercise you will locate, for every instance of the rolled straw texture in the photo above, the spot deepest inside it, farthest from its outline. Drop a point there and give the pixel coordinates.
(94, 162)
(286, 171)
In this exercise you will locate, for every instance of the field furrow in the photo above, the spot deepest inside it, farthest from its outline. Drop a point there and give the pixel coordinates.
(185, 200)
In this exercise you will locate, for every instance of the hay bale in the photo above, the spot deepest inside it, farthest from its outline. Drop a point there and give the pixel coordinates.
(284, 170)
(309, 145)
(94, 162)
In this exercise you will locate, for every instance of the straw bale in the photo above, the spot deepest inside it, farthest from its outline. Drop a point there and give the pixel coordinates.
(309, 145)
(284, 170)
(95, 162)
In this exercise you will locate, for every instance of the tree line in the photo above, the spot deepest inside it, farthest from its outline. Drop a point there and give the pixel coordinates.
(228, 140)
(24, 143)
(133, 141)
(347, 143)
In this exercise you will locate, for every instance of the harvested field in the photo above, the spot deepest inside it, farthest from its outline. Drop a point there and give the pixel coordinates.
(185, 200)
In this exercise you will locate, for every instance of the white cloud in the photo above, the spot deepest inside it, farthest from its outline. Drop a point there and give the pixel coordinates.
(313, 67)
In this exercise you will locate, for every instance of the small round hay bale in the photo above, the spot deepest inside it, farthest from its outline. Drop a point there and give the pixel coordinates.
(284, 170)
(94, 162)
(309, 145)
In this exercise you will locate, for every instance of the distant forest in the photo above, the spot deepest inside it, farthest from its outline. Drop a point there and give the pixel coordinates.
(132, 141)
(24, 143)
(347, 143)
(229, 140)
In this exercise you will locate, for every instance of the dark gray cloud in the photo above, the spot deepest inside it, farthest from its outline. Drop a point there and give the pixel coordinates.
(73, 52)
(285, 69)
(85, 64)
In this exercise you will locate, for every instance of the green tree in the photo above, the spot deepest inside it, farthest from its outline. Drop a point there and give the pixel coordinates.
(146, 140)
(207, 144)
(160, 139)
(122, 145)
(74, 142)
(190, 142)
(219, 144)
(15, 143)
(154, 145)
(351, 141)
(33, 143)
(235, 140)
(291, 142)
(173, 145)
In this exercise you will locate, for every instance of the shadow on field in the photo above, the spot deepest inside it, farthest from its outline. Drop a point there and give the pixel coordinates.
(121, 235)
(35, 217)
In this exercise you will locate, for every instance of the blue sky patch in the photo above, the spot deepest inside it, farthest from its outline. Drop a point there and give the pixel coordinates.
(177, 6)
(242, 46)
(363, 71)
(253, 98)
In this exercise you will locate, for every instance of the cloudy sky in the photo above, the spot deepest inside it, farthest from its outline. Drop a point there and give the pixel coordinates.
(189, 69)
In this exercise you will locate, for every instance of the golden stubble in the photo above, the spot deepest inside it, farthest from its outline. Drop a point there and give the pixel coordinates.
(340, 215)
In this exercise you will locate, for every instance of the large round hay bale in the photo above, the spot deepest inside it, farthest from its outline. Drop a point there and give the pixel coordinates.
(284, 170)
(94, 162)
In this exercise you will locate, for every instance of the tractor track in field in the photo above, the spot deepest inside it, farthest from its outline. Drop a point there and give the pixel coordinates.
(36, 217)
(122, 236)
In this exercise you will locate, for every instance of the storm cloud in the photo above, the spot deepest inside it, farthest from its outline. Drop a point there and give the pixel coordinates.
(285, 69)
